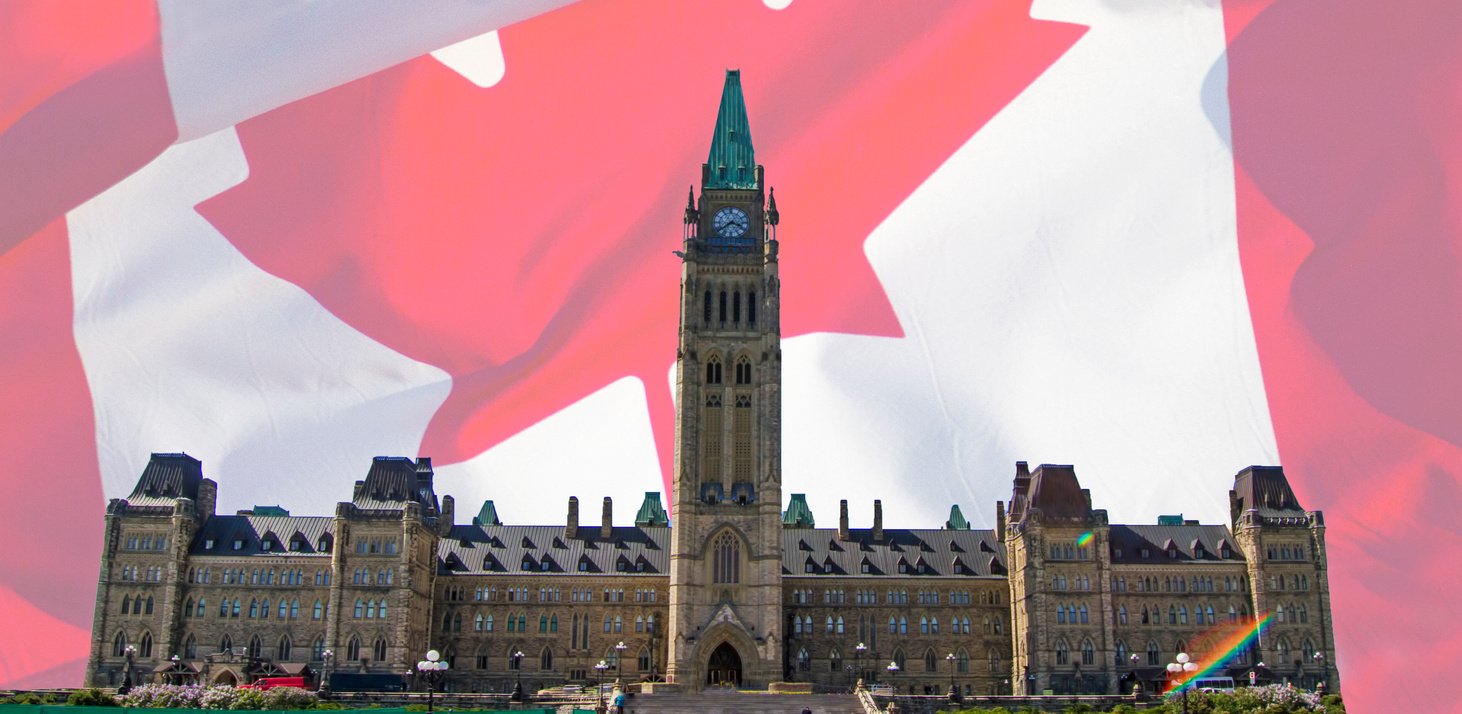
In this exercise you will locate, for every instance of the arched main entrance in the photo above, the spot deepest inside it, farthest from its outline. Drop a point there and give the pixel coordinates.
(724, 667)
(226, 678)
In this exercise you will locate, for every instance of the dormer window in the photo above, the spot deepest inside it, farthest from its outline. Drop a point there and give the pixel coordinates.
(208, 544)
(1145, 553)
(238, 544)
(263, 545)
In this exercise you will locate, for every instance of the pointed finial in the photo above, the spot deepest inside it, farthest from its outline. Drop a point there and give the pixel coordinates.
(772, 216)
(691, 215)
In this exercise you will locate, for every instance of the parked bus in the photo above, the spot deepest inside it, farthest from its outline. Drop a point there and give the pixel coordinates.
(1214, 684)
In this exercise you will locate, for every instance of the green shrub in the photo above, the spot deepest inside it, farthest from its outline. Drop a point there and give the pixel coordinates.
(332, 706)
(91, 698)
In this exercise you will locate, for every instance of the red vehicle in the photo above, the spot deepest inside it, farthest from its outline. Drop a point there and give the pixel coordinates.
(272, 682)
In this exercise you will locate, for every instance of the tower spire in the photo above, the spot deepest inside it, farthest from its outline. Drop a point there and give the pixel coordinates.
(732, 162)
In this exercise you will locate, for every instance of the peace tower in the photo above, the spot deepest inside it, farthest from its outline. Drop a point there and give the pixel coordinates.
(726, 554)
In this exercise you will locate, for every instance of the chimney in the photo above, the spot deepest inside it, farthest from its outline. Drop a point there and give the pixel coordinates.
(843, 520)
(877, 521)
(448, 516)
(571, 530)
(1000, 520)
(606, 530)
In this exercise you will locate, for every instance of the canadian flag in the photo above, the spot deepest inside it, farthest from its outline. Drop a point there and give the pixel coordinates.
(1160, 241)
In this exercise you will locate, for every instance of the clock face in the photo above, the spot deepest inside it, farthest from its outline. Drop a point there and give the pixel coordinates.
(730, 222)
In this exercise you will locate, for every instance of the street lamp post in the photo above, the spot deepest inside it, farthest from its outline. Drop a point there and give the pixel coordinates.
(324, 686)
(893, 671)
(431, 668)
(858, 652)
(517, 656)
(598, 684)
(618, 663)
(1183, 665)
(177, 675)
(1133, 658)
(953, 690)
(130, 653)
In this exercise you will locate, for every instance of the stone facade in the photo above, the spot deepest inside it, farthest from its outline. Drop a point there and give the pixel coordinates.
(739, 590)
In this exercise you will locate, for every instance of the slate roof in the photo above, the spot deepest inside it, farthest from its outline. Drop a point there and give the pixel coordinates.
(478, 549)
(167, 478)
(1130, 540)
(979, 553)
(224, 530)
(1056, 492)
(1266, 490)
(395, 480)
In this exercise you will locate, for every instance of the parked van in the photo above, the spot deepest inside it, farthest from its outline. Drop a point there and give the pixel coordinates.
(1214, 684)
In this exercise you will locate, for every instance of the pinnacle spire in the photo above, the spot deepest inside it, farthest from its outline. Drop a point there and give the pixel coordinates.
(732, 162)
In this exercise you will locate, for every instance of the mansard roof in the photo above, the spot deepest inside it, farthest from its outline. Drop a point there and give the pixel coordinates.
(1059, 496)
(394, 481)
(252, 531)
(979, 552)
(1265, 490)
(481, 549)
(167, 478)
(1185, 540)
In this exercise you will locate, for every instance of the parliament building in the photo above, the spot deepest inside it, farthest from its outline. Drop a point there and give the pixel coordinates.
(728, 586)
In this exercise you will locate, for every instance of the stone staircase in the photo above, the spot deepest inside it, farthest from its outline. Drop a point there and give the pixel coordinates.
(732, 702)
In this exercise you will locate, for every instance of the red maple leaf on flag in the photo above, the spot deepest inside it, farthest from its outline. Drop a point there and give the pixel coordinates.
(519, 237)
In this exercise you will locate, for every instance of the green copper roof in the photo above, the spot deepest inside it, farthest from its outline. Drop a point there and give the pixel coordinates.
(733, 162)
(270, 511)
(798, 515)
(956, 520)
(487, 516)
(651, 512)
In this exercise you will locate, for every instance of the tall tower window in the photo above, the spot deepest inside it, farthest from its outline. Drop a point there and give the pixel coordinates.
(711, 440)
(736, 308)
(708, 308)
(727, 559)
(723, 306)
(751, 308)
(741, 428)
(713, 371)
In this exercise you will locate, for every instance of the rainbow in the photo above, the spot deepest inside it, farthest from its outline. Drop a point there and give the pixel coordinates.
(1084, 539)
(1232, 639)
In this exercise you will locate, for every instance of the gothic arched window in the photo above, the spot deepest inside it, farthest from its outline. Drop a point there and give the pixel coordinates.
(352, 650)
(751, 308)
(380, 649)
(713, 370)
(727, 559)
(743, 371)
